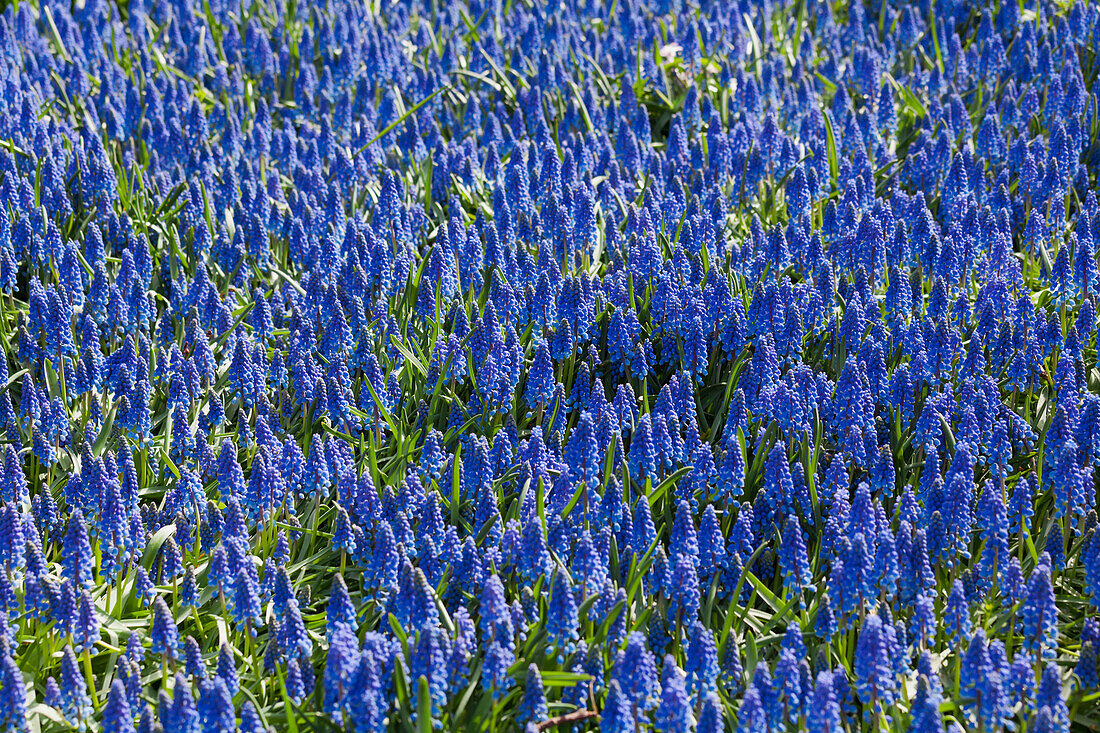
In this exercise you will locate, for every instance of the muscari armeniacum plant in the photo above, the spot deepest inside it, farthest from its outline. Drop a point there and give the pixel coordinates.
(502, 366)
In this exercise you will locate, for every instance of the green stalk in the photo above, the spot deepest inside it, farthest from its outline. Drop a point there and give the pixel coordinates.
(90, 677)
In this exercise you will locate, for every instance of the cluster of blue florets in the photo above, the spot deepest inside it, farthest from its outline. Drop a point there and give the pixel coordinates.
(681, 366)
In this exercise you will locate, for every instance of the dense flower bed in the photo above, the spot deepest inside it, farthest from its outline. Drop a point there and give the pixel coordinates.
(501, 366)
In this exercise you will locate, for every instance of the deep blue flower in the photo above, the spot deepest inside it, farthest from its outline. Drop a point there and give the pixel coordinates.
(617, 715)
(117, 717)
(245, 607)
(533, 708)
(164, 635)
(875, 678)
(636, 673)
(429, 659)
(674, 713)
(215, 707)
(982, 680)
(824, 710)
(535, 560)
(562, 623)
(86, 628)
(495, 622)
(684, 540)
(415, 604)
(74, 702)
(926, 717)
(957, 615)
(582, 452)
(498, 658)
(683, 587)
(712, 550)
(77, 553)
(789, 683)
(226, 669)
(752, 717)
(731, 471)
(643, 454)
(1039, 613)
(293, 638)
(1049, 698)
(540, 380)
(341, 610)
(701, 662)
(793, 561)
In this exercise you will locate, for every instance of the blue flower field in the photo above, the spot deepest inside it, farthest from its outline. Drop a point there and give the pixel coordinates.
(582, 365)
